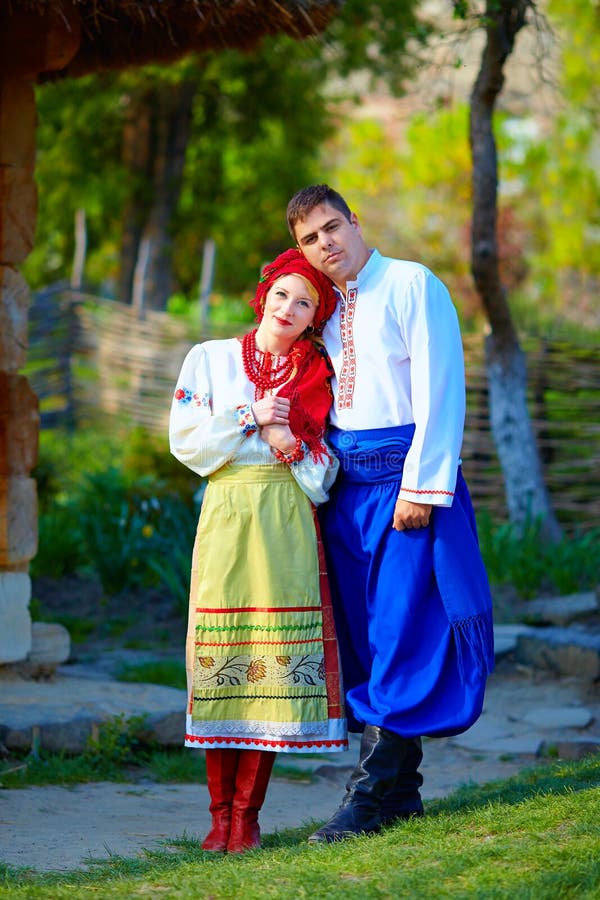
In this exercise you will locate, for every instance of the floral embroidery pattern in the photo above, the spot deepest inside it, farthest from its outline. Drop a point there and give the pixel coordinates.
(257, 671)
(307, 671)
(206, 661)
(245, 419)
(239, 670)
(233, 670)
(187, 397)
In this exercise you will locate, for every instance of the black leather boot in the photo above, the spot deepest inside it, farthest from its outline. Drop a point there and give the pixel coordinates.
(403, 801)
(381, 757)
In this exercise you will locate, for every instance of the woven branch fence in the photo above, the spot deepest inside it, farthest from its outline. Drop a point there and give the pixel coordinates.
(90, 356)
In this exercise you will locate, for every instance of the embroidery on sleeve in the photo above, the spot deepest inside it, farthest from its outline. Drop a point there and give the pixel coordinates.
(186, 397)
(414, 491)
(245, 419)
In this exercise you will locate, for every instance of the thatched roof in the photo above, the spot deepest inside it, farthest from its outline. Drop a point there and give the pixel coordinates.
(116, 34)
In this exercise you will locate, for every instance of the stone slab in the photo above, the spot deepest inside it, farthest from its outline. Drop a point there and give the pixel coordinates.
(15, 621)
(50, 645)
(558, 717)
(564, 651)
(561, 610)
(61, 713)
(506, 636)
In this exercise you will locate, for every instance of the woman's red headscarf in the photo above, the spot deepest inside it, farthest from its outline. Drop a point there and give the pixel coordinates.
(291, 262)
(308, 389)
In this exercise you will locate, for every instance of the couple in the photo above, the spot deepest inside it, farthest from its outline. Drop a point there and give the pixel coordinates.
(409, 594)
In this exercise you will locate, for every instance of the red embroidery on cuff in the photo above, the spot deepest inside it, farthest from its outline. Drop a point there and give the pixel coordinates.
(413, 491)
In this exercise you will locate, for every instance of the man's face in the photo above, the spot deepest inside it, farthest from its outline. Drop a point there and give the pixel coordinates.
(332, 244)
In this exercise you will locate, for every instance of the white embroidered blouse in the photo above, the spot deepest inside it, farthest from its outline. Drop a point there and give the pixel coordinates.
(211, 420)
(394, 341)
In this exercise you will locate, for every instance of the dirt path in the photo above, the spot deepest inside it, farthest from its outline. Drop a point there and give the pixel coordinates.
(55, 828)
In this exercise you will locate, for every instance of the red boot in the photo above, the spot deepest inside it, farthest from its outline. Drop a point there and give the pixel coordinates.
(221, 769)
(253, 773)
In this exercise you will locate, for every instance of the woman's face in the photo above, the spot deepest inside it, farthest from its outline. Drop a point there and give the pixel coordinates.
(289, 308)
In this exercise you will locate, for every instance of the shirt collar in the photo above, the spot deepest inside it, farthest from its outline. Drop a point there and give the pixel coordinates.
(371, 265)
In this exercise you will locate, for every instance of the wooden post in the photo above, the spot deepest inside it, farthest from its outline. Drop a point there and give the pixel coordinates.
(139, 276)
(80, 250)
(206, 282)
(29, 43)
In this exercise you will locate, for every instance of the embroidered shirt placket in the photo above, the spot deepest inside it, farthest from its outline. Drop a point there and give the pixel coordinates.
(348, 372)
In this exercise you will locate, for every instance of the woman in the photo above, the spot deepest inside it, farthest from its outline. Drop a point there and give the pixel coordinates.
(261, 653)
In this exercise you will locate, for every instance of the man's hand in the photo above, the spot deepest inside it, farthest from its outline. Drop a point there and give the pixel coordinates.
(271, 411)
(410, 515)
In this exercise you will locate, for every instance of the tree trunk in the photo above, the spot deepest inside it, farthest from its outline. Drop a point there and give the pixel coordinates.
(526, 494)
(137, 157)
(155, 138)
(172, 129)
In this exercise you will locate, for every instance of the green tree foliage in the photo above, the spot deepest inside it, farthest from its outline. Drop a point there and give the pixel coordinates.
(414, 197)
(258, 123)
(380, 39)
(77, 166)
(413, 193)
(560, 172)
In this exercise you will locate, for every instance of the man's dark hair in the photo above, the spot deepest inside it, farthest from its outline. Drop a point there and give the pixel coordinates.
(305, 201)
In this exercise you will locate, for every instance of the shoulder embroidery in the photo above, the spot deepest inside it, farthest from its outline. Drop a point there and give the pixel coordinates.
(186, 397)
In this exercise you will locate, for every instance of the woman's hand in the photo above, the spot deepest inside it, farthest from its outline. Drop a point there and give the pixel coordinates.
(281, 437)
(271, 411)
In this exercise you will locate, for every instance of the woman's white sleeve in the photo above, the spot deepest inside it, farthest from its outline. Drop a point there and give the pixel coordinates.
(315, 477)
(200, 440)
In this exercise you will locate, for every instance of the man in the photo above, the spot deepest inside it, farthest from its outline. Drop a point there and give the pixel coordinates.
(410, 593)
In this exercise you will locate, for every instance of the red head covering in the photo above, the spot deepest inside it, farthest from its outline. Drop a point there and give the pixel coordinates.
(291, 262)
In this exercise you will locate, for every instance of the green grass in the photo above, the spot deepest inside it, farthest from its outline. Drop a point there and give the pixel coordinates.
(123, 764)
(533, 836)
(169, 672)
(117, 756)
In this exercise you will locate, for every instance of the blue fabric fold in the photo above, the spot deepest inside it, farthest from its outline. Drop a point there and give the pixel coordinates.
(376, 456)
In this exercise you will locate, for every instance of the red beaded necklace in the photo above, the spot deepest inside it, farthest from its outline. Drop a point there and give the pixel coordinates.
(261, 369)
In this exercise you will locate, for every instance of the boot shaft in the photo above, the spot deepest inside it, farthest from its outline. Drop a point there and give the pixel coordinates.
(252, 779)
(382, 758)
(221, 773)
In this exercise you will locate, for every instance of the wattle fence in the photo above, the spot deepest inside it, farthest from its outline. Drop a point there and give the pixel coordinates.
(91, 357)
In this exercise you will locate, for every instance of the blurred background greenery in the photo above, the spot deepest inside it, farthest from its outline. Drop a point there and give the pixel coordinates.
(212, 147)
